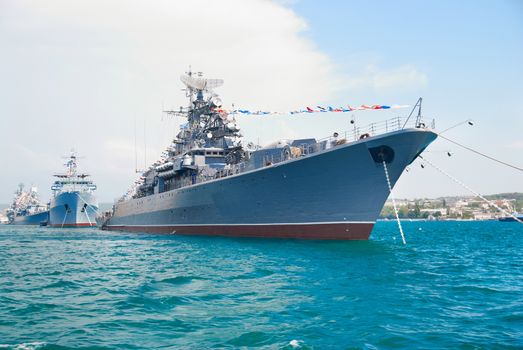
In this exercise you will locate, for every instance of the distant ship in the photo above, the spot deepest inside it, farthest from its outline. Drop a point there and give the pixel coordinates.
(74, 203)
(510, 218)
(27, 209)
(209, 183)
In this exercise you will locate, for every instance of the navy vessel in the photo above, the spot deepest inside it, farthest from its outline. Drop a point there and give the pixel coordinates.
(511, 218)
(209, 183)
(74, 203)
(27, 209)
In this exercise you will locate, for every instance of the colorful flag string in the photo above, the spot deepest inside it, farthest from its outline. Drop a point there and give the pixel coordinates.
(317, 109)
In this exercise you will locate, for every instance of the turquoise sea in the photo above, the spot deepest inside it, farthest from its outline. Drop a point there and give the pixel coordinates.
(455, 285)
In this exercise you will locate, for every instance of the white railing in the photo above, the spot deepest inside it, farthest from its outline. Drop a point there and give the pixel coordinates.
(349, 136)
(378, 128)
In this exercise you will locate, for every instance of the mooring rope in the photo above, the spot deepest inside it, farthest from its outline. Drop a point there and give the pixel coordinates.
(471, 190)
(480, 153)
(89, 205)
(65, 216)
(88, 219)
(394, 202)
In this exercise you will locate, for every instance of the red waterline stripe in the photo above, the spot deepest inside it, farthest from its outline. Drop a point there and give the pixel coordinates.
(338, 231)
(83, 224)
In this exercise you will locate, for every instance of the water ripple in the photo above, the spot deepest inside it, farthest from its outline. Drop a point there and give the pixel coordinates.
(454, 285)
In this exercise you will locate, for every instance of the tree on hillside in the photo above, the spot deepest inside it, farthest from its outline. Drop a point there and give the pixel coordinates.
(417, 210)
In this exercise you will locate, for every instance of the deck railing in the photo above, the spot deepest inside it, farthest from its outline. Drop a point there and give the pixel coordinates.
(357, 133)
(377, 128)
(349, 136)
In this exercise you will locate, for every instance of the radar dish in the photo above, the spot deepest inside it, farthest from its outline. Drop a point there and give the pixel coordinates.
(201, 83)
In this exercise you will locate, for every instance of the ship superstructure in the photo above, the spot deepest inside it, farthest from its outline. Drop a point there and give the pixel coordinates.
(208, 144)
(74, 203)
(27, 209)
(209, 183)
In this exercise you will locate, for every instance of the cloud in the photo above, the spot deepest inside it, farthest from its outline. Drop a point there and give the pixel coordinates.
(78, 73)
(256, 45)
(403, 77)
(34, 157)
(122, 148)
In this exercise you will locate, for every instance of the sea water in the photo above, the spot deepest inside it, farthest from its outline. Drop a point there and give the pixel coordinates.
(455, 285)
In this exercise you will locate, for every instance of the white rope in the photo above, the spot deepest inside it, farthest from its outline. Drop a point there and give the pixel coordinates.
(85, 211)
(393, 202)
(65, 216)
(472, 191)
(89, 205)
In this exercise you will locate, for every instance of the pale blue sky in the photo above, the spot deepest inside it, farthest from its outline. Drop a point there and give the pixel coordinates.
(470, 51)
(471, 54)
(77, 74)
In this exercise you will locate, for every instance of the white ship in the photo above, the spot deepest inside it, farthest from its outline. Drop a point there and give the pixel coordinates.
(74, 203)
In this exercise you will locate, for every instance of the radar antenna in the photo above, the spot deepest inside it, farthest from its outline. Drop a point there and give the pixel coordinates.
(201, 84)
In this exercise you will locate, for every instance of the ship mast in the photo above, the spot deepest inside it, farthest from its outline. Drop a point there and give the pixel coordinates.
(207, 125)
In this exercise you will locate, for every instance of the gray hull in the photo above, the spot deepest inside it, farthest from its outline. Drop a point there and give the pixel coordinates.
(334, 194)
(73, 209)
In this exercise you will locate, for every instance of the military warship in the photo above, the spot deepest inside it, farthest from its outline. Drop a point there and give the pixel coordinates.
(74, 203)
(209, 183)
(27, 209)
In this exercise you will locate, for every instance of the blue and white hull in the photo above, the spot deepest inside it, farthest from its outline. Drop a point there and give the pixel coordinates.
(33, 219)
(73, 209)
